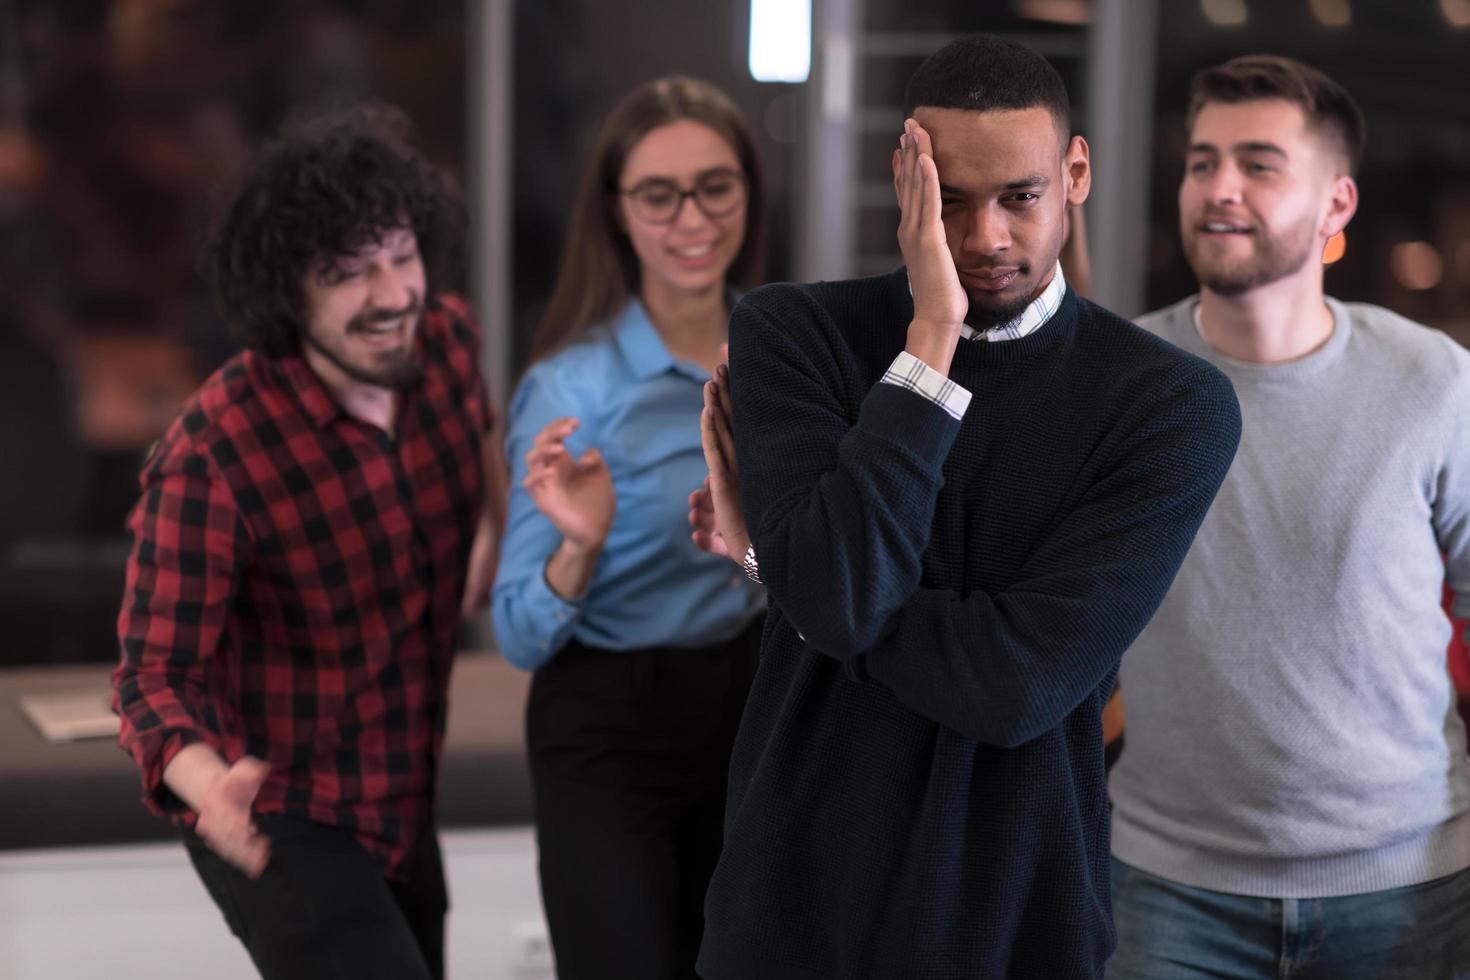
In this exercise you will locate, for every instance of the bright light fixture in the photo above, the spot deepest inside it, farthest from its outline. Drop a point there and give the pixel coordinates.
(780, 40)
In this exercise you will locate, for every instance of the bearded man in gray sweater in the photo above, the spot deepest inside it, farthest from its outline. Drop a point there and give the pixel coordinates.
(1294, 797)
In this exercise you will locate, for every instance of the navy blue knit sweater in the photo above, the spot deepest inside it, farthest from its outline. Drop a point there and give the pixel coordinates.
(917, 789)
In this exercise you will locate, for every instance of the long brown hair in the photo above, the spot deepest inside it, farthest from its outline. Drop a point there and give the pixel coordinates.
(599, 271)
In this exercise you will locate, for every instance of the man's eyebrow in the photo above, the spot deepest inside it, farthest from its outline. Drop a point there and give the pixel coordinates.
(1246, 146)
(1259, 146)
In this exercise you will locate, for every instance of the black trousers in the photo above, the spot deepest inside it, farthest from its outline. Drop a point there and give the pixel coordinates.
(629, 753)
(324, 910)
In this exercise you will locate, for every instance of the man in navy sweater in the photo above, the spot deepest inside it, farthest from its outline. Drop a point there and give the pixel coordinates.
(968, 489)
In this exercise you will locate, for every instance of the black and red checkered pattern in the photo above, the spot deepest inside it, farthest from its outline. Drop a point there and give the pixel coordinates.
(293, 590)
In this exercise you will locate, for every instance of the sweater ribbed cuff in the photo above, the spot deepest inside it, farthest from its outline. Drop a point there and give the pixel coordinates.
(907, 418)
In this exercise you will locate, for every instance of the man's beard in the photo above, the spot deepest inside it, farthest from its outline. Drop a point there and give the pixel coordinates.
(399, 372)
(1273, 259)
(988, 318)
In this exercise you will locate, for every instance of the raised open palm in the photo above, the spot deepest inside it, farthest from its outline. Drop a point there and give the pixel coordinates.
(576, 495)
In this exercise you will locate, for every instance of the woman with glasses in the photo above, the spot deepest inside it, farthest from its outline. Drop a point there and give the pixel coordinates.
(643, 645)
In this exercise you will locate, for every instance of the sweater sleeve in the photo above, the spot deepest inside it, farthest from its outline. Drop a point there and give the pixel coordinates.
(1004, 668)
(839, 510)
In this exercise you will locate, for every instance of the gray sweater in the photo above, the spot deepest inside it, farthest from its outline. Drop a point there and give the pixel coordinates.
(1291, 721)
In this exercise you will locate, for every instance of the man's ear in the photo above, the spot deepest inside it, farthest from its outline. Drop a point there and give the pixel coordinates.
(1077, 164)
(1343, 206)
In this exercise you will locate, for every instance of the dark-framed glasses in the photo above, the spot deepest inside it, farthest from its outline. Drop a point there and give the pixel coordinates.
(658, 201)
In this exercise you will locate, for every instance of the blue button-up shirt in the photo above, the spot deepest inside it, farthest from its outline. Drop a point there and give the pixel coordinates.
(652, 587)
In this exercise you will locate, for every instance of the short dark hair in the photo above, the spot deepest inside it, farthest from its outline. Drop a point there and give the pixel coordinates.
(984, 73)
(1329, 109)
(327, 187)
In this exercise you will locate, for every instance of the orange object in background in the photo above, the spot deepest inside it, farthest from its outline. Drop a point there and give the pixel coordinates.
(1112, 718)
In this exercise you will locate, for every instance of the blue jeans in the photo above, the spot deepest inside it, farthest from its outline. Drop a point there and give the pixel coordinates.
(1169, 931)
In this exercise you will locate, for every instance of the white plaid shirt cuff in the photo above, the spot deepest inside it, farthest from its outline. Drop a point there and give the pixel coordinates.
(907, 371)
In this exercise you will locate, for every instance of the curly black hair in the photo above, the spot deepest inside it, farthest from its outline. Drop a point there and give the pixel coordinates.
(326, 188)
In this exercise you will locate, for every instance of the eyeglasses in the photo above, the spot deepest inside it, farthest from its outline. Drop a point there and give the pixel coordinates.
(717, 193)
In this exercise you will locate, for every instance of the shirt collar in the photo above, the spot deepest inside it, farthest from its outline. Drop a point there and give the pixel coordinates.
(1031, 318)
(320, 407)
(643, 349)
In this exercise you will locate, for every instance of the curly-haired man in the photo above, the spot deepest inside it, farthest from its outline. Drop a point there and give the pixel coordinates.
(309, 531)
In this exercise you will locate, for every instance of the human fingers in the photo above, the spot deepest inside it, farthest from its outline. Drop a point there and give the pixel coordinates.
(901, 180)
(547, 457)
(911, 199)
(923, 144)
(591, 459)
(251, 773)
(538, 484)
(722, 392)
(703, 520)
(709, 439)
(248, 851)
(555, 431)
(722, 435)
(255, 855)
(712, 543)
(929, 209)
(926, 174)
(723, 429)
(226, 827)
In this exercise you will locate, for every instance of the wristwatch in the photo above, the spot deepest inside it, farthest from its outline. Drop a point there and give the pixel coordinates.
(751, 566)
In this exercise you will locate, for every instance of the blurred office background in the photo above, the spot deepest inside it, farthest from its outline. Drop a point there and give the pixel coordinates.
(119, 119)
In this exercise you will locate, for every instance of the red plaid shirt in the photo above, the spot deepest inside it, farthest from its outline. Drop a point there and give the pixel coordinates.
(294, 586)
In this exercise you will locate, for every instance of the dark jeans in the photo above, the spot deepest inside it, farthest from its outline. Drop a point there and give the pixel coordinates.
(1169, 931)
(629, 754)
(324, 910)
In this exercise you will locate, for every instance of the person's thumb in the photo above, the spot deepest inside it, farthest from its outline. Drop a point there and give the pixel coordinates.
(246, 777)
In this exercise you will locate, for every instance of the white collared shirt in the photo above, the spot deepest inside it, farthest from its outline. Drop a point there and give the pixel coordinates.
(909, 372)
